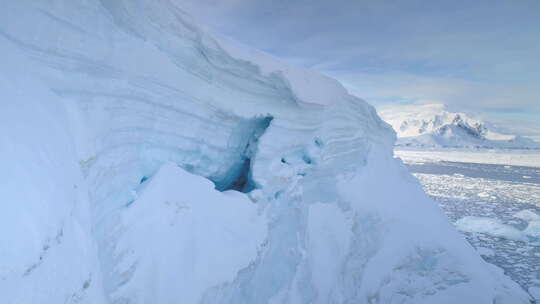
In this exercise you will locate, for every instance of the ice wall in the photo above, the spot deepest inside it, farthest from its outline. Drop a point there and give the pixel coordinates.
(47, 253)
(134, 89)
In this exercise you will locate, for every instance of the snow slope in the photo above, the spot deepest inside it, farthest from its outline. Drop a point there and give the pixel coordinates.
(433, 125)
(47, 253)
(146, 163)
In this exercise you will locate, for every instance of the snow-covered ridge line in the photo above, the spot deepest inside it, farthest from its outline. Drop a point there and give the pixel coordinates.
(433, 125)
(158, 129)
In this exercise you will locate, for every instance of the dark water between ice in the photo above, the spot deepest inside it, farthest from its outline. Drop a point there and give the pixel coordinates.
(493, 191)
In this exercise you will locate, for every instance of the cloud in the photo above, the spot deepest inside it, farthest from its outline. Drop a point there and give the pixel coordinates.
(432, 89)
(482, 55)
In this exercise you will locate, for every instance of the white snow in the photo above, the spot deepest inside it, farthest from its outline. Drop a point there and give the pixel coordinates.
(180, 223)
(129, 135)
(489, 226)
(435, 126)
(533, 223)
(533, 229)
(329, 237)
(46, 251)
(417, 255)
(495, 227)
(535, 292)
(307, 86)
(415, 120)
(527, 215)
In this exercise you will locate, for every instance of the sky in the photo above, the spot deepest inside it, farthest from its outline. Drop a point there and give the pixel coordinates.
(476, 56)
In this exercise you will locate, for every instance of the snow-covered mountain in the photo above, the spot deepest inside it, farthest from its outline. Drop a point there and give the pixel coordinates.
(145, 162)
(433, 125)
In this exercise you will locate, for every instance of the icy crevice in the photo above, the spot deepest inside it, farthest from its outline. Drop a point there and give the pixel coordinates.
(239, 177)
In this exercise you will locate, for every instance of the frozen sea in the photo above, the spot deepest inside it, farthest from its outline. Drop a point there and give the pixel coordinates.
(495, 205)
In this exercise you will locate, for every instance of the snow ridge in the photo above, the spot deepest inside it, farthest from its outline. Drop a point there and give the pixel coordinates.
(433, 125)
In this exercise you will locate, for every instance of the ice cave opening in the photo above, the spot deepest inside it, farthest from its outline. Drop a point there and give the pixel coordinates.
(239, 176)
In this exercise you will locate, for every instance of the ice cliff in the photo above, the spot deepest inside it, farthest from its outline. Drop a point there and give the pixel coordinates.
(144, 162)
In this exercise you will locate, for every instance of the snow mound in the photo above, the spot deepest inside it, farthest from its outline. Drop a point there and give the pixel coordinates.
(208, 235)
(149, 164)
(433, 125)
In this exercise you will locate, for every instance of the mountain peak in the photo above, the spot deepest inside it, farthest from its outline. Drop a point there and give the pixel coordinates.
(434, 125)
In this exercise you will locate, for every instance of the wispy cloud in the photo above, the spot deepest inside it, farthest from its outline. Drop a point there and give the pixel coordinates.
(482, 55)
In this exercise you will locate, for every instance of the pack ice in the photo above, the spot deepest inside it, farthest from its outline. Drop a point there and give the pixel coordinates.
(145, 162)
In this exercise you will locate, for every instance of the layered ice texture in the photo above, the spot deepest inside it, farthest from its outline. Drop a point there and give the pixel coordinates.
(144, 162)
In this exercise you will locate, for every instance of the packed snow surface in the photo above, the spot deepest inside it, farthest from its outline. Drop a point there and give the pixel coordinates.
(144, 162)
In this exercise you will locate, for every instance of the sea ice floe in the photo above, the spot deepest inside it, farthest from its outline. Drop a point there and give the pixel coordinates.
(533, 229)
(495, 227)
(533, 223)
(527, 215)
(491, 226)
(483, 194)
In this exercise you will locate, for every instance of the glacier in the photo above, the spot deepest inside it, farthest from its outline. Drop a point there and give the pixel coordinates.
(146, 162)
(435, 126)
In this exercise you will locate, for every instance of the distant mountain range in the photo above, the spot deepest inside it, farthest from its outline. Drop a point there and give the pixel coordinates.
(433, 125)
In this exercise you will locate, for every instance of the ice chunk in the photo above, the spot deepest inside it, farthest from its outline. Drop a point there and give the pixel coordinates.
(483, 194)
(533, 229)
(527, 215)
(183, 236)
(533, 222)
(489, 226)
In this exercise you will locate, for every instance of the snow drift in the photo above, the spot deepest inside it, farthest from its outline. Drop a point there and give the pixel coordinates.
(145, 163)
